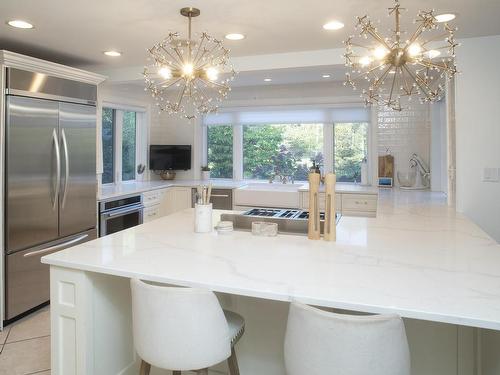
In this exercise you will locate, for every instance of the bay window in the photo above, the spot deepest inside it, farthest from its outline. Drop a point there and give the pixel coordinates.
(256, 144)
(284, 149)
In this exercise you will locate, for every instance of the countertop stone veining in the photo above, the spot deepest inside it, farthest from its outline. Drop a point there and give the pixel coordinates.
(418, 258)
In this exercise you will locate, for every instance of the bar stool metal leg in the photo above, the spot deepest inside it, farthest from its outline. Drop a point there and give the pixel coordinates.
(232, 362)
(145, 368)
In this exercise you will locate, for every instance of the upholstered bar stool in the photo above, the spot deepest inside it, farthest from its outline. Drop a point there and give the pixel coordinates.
(318, 342)
(182, 329)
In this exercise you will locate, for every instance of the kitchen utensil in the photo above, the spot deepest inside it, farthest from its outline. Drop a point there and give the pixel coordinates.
(313, 232)
(330, 231)
(386, 166)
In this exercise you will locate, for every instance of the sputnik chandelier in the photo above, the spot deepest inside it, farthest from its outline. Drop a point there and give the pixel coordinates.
(184, 74)
(395, 67)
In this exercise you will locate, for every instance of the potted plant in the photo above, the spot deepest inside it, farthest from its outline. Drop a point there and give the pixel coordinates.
(205, 173)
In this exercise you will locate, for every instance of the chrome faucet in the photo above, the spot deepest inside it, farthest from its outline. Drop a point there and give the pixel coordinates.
(282, 178)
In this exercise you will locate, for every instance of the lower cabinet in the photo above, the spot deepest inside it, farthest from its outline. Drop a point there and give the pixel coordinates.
(162, 202)
(175, 199)
(349, 204)
(151, 213)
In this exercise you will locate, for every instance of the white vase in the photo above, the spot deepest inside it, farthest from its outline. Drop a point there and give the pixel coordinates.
(203, 218)
(205, 175)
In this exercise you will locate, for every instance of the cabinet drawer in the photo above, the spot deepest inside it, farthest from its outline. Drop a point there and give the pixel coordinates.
(151, 213)
(305, 201)
(357, 202)
(153, 197)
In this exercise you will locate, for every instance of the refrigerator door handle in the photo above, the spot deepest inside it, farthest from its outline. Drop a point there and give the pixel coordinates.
(58, 169)
(55, 247)
(66, 162)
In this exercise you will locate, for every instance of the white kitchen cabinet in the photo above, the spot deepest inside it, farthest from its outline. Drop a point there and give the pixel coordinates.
(359, 205)
(151, 213)
(304, 201)
(153, 197)
(175, 199)
(349, 204)
(152, 204)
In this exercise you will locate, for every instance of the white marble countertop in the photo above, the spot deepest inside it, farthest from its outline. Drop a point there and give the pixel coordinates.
(113, 191)
(127, 188)
(346, 188)
(418, 258)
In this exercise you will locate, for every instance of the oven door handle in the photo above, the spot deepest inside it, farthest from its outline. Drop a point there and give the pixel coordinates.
(122, 211)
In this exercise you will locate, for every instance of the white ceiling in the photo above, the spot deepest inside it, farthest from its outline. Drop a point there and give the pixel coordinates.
(76, 32)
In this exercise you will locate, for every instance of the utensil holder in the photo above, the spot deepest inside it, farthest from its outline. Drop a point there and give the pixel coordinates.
(203, 218)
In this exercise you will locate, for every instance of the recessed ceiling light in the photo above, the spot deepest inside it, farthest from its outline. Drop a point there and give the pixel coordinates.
(333, 25)
(112, 53)
(20, 24)
(445, 17)
(326, 75)
(235, 36)
(267, 79)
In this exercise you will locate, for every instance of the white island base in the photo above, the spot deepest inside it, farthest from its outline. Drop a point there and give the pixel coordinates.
(92, 335)
(418, 258)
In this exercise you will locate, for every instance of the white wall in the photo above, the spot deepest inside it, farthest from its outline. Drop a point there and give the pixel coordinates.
(438, 152)
(478, 131)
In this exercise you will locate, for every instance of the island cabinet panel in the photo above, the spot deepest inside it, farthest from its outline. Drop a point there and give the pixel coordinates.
(91, 319)
(175, 199)
(91, 324)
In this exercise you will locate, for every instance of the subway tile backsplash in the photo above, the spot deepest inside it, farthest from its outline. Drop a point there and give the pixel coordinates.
(403, 134)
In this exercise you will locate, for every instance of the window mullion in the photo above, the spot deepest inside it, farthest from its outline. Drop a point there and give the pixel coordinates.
(238, 152)
(328, 147)
(118, 146)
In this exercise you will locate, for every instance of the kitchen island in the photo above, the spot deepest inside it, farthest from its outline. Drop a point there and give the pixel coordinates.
(418, 258)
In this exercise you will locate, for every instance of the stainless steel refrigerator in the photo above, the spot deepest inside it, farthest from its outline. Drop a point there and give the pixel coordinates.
(50, 179)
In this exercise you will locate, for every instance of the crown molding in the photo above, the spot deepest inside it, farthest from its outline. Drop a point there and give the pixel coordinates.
(32, 64)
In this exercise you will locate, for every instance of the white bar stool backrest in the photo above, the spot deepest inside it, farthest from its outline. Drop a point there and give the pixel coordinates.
(178, 328)
(318, 342)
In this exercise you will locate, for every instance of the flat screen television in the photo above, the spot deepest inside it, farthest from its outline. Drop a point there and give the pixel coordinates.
(169, 157)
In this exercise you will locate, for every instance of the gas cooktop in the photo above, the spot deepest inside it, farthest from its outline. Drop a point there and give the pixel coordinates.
(289, 220)
(282, 214)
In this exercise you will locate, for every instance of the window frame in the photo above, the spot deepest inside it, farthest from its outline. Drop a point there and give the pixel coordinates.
(368, 146)
(328, 144)
(140, 141)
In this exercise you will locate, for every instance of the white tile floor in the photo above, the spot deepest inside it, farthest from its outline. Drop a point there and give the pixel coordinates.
(25, 345)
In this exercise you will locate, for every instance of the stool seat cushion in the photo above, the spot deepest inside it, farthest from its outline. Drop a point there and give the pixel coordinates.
(236, 325)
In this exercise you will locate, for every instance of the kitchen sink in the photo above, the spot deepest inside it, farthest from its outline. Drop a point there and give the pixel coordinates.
(272, 187)
(267, 195)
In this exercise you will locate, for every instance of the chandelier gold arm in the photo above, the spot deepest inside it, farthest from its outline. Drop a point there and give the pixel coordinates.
(419, 82)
